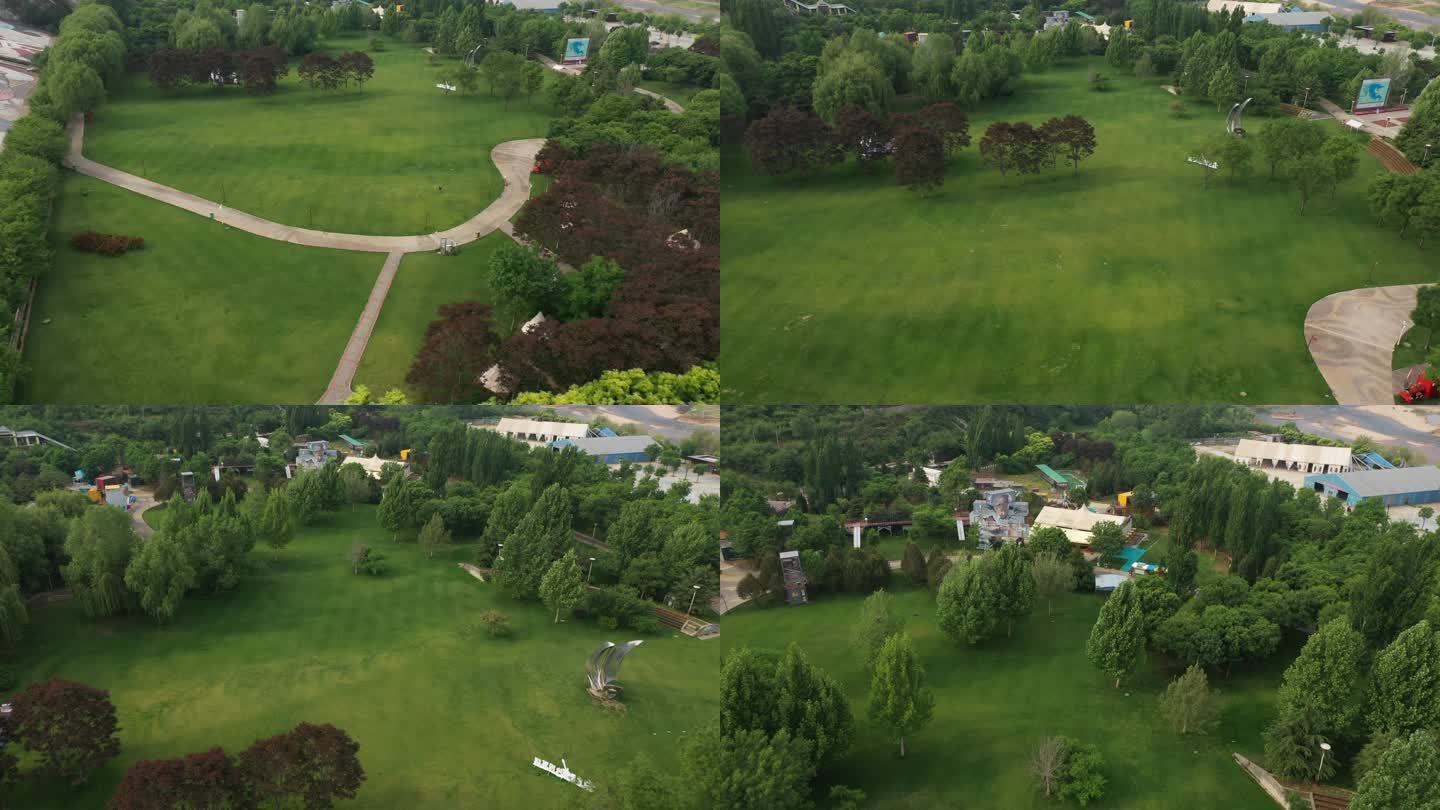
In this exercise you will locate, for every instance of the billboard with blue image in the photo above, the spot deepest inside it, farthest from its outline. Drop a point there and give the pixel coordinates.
(577, 49)
(1373, 94)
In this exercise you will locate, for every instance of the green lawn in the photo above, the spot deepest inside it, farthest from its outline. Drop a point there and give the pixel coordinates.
(681, 93)
(424, 283)
(1411, 349)
(994, 702)
(1125, 283)
(204, 313)
(369, 161)
(444, 717)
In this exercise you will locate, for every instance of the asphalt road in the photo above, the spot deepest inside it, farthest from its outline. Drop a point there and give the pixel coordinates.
(1413, 19)
(1339, 422)
(642, 415)
(661, 8)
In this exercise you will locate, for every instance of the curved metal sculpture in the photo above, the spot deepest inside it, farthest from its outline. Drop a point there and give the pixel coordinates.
(602, 668)
(1233, 121)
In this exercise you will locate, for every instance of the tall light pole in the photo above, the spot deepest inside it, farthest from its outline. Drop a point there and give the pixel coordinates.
(588, 569)
(1427, 154)
(695, 592)
(1324, 749)
(1306, 103)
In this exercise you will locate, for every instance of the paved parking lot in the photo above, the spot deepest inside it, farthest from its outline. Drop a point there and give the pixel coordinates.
(17, 45)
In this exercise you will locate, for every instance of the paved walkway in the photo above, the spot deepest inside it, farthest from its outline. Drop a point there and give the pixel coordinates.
(339, 388)
(1352, 336)
(514, 159)
(670, 104)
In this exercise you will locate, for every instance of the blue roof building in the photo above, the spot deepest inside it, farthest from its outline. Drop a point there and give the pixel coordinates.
(1395, 486)
(1315, 22)
(609, 449)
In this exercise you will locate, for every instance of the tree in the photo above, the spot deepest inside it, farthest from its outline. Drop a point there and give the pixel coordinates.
(99, 544)
(1234, 155)
(899, 697)
(1407, 775)
(1405, 682)
(75, 87)
(1390, 595)
(70, 727)
(747, 768)
(434, 535)
(950, 122)
(541, 538)
(1341, 155)
(1108, 540)
(1081, 778)
(878, 622)
(1047, 764)
(919, 160)
(1015, 584)
(913, 563)
(1118, 637)
(532, 78)
(1073, 136)
(932, 65)
(208, 779)
(854, 77)
(39, 136)
(312, 764)
(1020, 146)
(1327, 678)
(524, 282)
(1145, 66)
(459, 347)
(1187, 701)
(789, 141)
(275, 523)
(358, 67)
(768, 693)
(1053, 576)
(1312, 172)
(160, 573)
(400, 504)
(967, 605)
(563, 586)
(863, 133)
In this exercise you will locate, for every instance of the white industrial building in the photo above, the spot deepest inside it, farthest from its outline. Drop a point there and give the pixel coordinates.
(1306, 458)
(1077, 524)
(531, 430)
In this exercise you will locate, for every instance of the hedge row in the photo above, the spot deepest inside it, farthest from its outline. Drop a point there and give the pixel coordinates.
(106, 244)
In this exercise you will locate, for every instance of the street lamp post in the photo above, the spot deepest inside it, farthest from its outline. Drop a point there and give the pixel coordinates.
(695, 592)
(588, 569)
(1427, 154)
(1324, 749)
(1306, 103)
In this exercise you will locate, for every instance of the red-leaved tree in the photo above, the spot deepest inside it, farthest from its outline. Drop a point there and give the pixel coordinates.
(919, 159)
(69, 726)
(950, 122)
(863, 133)
(459, 347)
(790, 141)
(210, 780)
(1073, 136)
(314, 764)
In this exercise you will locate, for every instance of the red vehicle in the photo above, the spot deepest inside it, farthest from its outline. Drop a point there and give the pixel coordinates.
(1418, 390)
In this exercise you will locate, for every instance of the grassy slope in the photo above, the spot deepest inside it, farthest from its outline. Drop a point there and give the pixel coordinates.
(204, 313)
(993, 704)
(356, 161)
(444, 718)
(1127, 282)
(424, 283)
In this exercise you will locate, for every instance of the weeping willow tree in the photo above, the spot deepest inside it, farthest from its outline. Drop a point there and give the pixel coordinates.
(13, 616)
(100, 544)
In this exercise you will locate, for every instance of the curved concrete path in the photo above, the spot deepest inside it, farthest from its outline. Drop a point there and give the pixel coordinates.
(1353, 334)
(670, 104)
(514, 159)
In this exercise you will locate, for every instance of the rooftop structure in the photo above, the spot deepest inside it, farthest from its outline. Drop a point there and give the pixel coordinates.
(1078, 524)
(818, 7)
(609, 449)
(531, 430)
(1246, 8)
(313, 455)
(26, 438)
(1302, 457)
(1059, 480)
(999, 517)
(1396, 486)
(1312, 21)
(795, 579)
